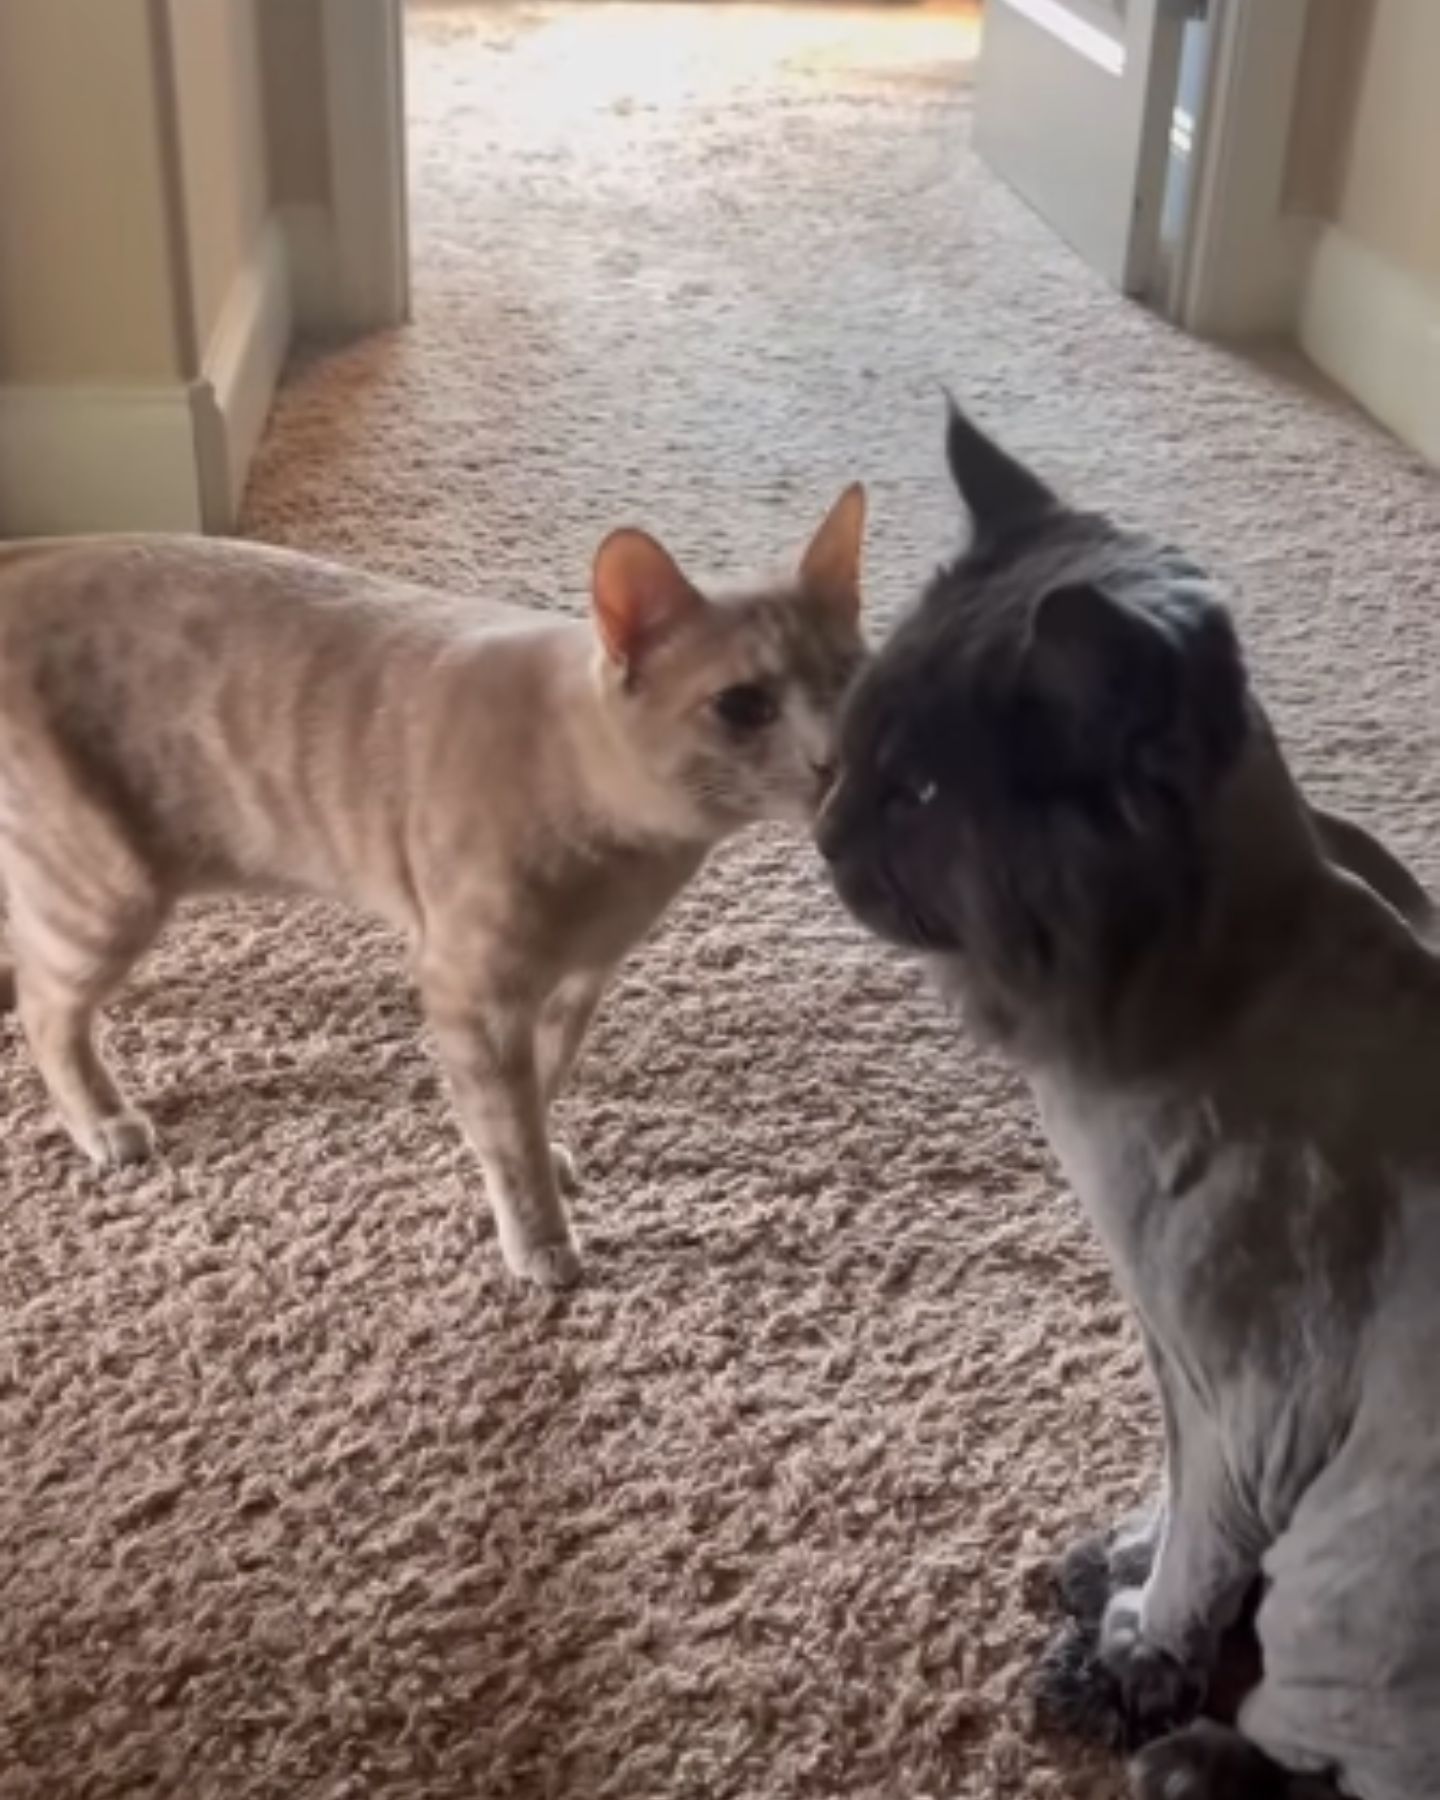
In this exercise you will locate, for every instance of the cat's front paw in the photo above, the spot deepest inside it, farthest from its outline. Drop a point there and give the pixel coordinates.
(1082, 1579)
(1100, 1564)
(1074, 1693)
(1157, 1692)
(553, 1266)
(119, 1141)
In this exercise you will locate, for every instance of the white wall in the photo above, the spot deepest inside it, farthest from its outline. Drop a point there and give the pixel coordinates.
(1367, 157)
(87, 289)
(224, 178)
(144, 303)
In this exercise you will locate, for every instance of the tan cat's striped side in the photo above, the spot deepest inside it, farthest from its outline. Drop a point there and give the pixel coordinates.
(521, 794)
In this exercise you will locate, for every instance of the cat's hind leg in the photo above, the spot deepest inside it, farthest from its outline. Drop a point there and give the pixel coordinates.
(69, 959)
(1208, 1761)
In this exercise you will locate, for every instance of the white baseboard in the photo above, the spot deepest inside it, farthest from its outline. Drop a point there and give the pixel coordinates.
(327, 301)
(163, 456)
(350, 255)
(314, 262)
(1375, 330)
(364, 50)
(1243, 258)
(82, 459)
(240, 372)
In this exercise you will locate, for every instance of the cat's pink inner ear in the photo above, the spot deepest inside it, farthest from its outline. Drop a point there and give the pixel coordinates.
(638, 594)
(830, 567)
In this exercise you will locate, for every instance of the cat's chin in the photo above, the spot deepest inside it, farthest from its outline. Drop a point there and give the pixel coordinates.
(783, 809)
(867, 902)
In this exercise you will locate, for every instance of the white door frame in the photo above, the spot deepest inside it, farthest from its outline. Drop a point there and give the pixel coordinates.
(1243, 260)
(364, 49)
(365, 125)
(1073, 107)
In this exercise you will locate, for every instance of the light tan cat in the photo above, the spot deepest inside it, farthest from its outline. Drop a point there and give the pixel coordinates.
(521, 794)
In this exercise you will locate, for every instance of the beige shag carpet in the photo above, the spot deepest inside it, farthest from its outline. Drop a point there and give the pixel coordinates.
(298, 1495)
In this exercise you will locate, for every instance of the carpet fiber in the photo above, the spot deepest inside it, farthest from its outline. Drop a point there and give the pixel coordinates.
(298, 1495)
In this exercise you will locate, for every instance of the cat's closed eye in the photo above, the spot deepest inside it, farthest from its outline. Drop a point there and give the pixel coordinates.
(746, 707)
(911, 793)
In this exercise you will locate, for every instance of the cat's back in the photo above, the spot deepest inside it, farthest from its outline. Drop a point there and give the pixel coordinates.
(93, 630)
(145, 582)
(258, 715)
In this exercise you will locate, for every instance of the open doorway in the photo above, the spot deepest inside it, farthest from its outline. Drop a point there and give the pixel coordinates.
(1172, 142)
(1154, 136)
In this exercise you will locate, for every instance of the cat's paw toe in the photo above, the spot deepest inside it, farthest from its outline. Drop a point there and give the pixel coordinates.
(553, 1266)
(120, 1141)
(567, 1170)
(1082, 1578)
(1132, 1547)
(1074, 1693)
(1158, 1692)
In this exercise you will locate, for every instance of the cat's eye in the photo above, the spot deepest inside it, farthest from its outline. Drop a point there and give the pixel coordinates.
(912, 794)
(746, 707)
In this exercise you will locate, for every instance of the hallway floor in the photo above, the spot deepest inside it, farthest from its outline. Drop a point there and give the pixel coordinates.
(300, 1497)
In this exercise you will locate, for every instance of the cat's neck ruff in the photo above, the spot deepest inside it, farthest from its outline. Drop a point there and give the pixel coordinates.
(1265, 894)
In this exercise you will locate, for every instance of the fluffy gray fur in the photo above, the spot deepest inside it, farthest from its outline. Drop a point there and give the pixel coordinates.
(1056, 782)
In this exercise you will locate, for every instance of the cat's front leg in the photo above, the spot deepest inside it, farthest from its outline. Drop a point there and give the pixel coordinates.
(1074, 1692)
(1161, 1641)
(486, 1038)
(564, 1020)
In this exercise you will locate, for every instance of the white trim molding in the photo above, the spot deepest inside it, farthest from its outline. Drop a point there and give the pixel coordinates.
(1374, 328)
(309, 232)
(1243, 262)
(369, 245)
(162, 456)
(81, 459)
(239, 376)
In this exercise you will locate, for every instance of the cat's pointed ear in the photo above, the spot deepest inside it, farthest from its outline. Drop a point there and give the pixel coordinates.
(830, 567)
(638, 594)
(997, 490)
(1109, 687)
(1103, 672)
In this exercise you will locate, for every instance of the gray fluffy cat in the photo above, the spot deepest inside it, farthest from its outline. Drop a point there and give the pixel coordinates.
(1056, 783)
(520, 794)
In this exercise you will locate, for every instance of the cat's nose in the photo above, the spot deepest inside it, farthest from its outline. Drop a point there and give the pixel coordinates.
(825, 770)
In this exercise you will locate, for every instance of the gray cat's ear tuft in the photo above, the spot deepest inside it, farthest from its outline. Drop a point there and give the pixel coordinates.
(638, 595)
(1108, 668)
(830, 567)
(998, 490)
